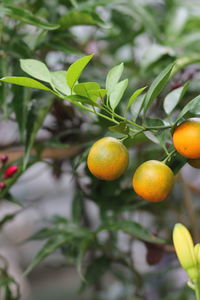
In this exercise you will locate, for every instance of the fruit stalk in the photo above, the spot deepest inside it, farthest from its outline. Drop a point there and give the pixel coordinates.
(197, 290)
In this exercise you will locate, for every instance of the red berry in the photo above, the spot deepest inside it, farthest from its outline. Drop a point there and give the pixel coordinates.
(2, 185)
(4, 158)
(176, 85)
(10, 171)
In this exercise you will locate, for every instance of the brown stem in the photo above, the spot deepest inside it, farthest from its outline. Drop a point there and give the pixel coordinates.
(49, 152)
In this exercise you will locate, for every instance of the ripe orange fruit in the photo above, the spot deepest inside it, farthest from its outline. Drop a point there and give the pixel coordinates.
(153, 180)
(186, 138)
(107, 158)
(195, 163)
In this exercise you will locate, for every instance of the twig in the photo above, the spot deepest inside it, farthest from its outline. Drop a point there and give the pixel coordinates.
(49, 152)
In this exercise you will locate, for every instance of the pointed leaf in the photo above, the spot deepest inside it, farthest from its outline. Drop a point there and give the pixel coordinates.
(76, 98)
(152, 137)
(173, 98)
(7, 218)
(153, 54)
(117, 93)
(58, 79)
(132, 228)
(83, 89)
(77, 207)
(120, 128)
(84, 245)
(27, 17)
(44, 233)
(36, 69)
(153, 122)
(113, 77)
(97, 269)
(74, 18)
(136, 106)
(25, 81)
(21, 98)
(146, 18)
(75, 70)
(99, 93)
(156, 86)
(49, 247)
(193, 106)
(36, 115)
(134, 96)
(176, 23)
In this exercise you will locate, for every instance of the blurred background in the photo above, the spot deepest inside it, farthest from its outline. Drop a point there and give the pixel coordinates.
(56, 196)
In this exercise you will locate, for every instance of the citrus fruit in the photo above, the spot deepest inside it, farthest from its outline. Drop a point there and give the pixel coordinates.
(195, 163)
(186, 138)
(107, 158)
(153, 180)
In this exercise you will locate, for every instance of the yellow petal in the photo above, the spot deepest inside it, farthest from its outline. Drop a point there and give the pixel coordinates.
(197, 253)
(184, 247)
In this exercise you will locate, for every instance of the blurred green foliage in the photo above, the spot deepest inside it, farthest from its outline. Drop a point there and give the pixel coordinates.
(158, 41)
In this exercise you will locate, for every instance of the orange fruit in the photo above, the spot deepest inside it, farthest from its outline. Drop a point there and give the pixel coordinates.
(186, 138)
(153, 180)
(195, 163)
(107, 158)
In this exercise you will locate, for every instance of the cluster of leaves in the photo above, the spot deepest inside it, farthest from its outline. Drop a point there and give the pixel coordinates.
(9, 288)
(90, 97)
(76, 241)
(139, 116)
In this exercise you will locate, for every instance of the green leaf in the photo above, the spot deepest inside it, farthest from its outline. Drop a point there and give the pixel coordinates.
(120, 128)
(190, 40)
(159, 135)
(44, 233)
(56, 219)
(25, 81)
(176, 23)
(49, 247)
(113, 77)
(132, 228)
(35, 39)
(136, 106)
(58, 79)
(173, 98)
(83, 246)
(7, 218)
(97, 269)
(21, 97)
(27, 17)
(152, 137)
(77, 207)
(144, 16)
(99, 93)
(75, 18)
(75, 70)
(60, 44)
(134, 96)
(153, 54)
(76, 98)
(152, 122)
(36, 69)
(156, 86)
(35, 118)
(117, 93)
(193, 107)
(83, 89)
